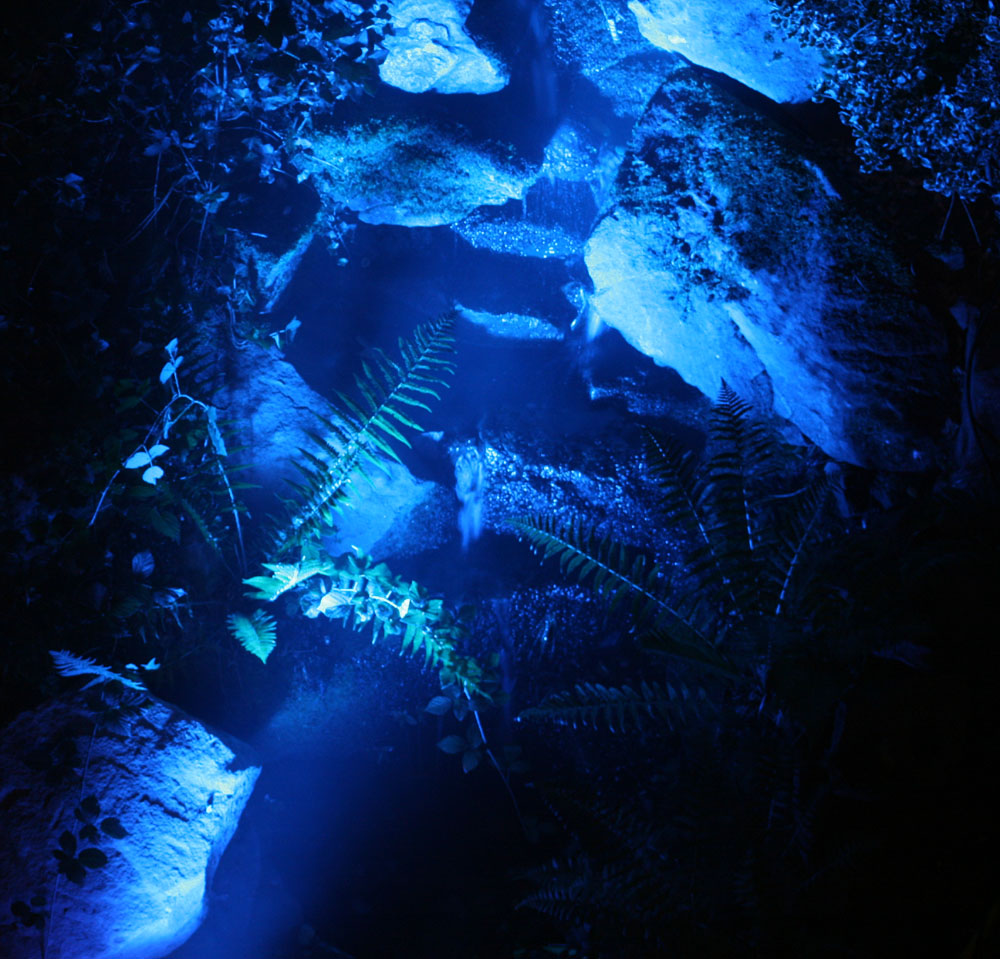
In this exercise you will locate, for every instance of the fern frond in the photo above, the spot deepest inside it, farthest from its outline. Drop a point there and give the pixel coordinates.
(69, 664)
(618, 708)
(612, 571)
(798, 528)
(286, 576)
(366, 427)
(673, 470)
(257, 633)
(741, 458)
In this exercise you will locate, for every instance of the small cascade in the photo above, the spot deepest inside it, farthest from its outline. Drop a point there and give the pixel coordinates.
(470, 483)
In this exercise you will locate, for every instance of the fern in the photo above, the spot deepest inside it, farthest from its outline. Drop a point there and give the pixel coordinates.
(286, 576)
(613, 571)
(792, 541)
(68, 664)
(618, 708)
(363, 431)
(256, 633)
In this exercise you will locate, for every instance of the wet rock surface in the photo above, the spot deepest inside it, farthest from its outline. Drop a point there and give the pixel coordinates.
(409, 173)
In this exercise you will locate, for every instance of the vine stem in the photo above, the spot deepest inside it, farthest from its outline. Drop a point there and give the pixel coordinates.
(496, 765)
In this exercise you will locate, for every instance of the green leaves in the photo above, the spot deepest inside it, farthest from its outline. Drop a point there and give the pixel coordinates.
(257, 633)
(618, 574)
(363, 432)
(469, 747)
(619, 708)
(286, 576)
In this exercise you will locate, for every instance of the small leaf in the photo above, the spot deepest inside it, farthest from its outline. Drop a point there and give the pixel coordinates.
(90, 807)
(112, 826)
(93, 858)
(453, 745)
(470, 759)
(89, 833)
(136, 460)
(165, 523)
(143, 563)
(255, 633)
(67, 842)
(73, 870)
(152, 475)
(170, 368)
(438, 706)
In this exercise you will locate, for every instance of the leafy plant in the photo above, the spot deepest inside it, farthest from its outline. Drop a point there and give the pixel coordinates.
(364, 429)
(912, 79)
(744, 556)
(732, 620)
(256, 633)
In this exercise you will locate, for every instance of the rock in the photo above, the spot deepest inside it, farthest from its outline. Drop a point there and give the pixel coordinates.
(430, 50)
(406, 173)
(161, 800)
(558, 210)
(730, 256)
(273, 270)
(734, 37)
(603, 46)
(511, 325)
(377, 507)
(272, 410)
(504, 232)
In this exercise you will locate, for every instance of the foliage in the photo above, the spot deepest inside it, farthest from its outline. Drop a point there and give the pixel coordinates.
(735, 624)
(360, 436)
(354, 589)
(74, 861)
(256, 633)
(359, 592)
(745, 556)
(915, 79)
(68, 664)
(619, 709)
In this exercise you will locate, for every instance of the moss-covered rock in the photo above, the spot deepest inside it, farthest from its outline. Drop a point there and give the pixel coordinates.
(729, 255)
(407, 173)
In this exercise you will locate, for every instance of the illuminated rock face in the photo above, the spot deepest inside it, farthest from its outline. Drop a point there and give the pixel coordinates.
(170, 794)
(729, 256)
(402, 172)
(735, 37)
(430, 50)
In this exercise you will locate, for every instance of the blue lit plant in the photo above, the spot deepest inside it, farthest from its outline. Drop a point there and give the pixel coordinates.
(730, 636)
(354, 589)
(914, 79)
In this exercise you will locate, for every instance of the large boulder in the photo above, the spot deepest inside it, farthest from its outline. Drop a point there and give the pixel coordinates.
(728, 255)
(110, 835)
(734, 37)
(408, 173)
(429, 49)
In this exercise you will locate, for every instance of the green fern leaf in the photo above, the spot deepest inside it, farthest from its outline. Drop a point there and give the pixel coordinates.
(618, 708)
(257, 633)
(68, 664)
(366, 427)
(611, 570)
